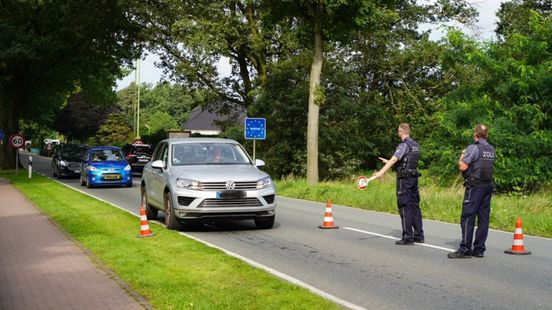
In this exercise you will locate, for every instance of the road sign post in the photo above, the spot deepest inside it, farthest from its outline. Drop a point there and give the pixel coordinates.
(254, 129)
(17, 141)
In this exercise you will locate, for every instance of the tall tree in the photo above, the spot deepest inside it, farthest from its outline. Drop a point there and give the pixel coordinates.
(192, 37)
(335, 22)
(49, 48)
(81, 118)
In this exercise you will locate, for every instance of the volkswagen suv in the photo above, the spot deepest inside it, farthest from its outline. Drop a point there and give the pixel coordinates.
(206, 180)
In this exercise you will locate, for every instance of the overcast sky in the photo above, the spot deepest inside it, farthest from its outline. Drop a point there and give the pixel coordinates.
(487, 19)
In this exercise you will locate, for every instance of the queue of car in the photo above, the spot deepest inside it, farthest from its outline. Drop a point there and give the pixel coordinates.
(189, 180)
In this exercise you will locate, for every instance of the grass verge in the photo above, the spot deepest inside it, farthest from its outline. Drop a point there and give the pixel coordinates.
(437, 203)
(169, 270)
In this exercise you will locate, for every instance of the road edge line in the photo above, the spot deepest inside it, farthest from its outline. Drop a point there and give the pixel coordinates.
(253, 263)
(280, 275)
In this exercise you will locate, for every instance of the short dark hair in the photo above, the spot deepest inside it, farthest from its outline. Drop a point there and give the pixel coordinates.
(405, 127)
(481, 131)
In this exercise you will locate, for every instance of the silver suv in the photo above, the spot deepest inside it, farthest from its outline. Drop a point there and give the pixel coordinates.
(204, 180)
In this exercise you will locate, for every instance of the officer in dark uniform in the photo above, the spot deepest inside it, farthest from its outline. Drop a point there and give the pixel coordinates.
(476, 164)
(408, 196)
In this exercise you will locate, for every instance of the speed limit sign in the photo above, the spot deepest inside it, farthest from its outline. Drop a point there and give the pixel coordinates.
(16, 141)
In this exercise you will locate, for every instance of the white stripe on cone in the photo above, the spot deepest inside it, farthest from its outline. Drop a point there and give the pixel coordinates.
(328, 219)
(518, 231)
(518, 241)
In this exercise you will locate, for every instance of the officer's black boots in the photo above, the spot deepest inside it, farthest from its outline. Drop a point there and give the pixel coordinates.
(459, 254)
(404, 242)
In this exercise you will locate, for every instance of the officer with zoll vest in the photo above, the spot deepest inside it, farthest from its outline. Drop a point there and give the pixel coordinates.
(408, 196)
(476, 164)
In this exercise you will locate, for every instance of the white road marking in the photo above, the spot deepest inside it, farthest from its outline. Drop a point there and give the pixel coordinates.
(253, 263)
(395, 238)
(280, 275)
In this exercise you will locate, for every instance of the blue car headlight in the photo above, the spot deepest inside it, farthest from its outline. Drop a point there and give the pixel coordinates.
(188, 184)
(127, 168)
(264, 183)
(92, 168)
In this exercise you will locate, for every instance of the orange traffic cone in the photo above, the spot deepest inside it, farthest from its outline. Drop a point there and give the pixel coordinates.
(144, 226)
(518, 248)
(328, 218)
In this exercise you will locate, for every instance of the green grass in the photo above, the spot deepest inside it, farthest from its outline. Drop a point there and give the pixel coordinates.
(169, 270)
(437, 203)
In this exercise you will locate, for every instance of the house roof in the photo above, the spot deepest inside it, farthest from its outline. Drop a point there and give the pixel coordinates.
(204, 119)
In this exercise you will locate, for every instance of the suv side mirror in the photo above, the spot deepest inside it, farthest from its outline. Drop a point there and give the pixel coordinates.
(259, 163)
(158, 164)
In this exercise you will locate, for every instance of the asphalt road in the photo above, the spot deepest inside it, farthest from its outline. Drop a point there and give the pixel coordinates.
(358, 265)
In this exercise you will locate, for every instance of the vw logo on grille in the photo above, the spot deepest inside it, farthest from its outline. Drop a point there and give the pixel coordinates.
(230, 185)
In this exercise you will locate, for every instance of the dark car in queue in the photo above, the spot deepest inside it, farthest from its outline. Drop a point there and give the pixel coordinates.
(105, 165)
(137, 155)
(66, 161)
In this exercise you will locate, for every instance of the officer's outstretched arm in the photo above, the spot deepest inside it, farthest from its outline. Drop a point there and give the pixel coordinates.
(388, 165)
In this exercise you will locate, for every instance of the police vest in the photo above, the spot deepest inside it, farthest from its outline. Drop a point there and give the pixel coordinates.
(409, 162)
(482, 168)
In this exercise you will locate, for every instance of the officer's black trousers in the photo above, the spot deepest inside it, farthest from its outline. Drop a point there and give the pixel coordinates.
(477, 203)
(408, 200)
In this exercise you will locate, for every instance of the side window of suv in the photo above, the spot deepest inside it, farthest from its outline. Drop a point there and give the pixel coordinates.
(165, 155)
(159, 150)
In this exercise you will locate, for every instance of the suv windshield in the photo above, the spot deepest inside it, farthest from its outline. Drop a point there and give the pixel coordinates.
(208, 154)
(106, 155)
(72, 153)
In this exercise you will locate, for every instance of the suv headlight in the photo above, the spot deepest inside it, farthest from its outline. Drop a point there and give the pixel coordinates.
(264, 183)
(127, 168)
(188, 184)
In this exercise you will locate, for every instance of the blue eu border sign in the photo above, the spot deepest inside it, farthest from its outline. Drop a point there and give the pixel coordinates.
(255, 128)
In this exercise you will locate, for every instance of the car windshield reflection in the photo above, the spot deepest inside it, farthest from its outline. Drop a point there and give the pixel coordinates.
(208, 154)
(106, 155)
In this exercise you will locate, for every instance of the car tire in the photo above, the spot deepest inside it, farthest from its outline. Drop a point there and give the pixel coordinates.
(171, 222)
(265, 223)
(151, 212)
(54, 174)
(88, 185)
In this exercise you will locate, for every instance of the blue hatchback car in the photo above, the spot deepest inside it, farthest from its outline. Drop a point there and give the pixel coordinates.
(105, 165)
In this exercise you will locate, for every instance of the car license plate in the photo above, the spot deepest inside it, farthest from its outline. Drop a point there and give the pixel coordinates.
(143, 160)
(77, 171)
(111, 177)
(231, 195)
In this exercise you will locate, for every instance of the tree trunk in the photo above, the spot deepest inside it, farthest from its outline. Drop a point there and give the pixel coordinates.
(9, 123)
(314, 108)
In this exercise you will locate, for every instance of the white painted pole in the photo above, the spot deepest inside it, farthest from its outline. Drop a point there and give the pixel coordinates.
(30, 167)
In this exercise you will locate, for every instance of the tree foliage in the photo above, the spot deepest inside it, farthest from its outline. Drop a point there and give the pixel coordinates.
(507, 85)
(81, 118)
(48, 48)
(371, 82)
(114, 131)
